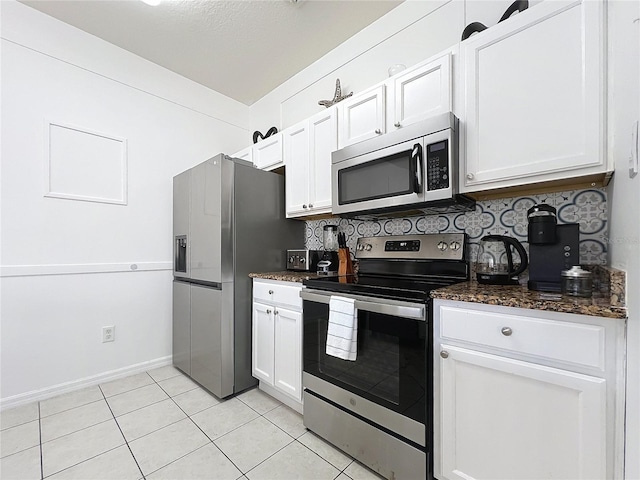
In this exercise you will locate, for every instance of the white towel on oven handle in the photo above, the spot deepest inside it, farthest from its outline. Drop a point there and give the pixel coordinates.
(342, 334)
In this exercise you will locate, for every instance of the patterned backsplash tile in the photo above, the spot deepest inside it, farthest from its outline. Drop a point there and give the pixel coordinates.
(506, 216)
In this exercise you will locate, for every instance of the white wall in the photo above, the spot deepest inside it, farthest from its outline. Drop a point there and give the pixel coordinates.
(66, 264)
(624, 199)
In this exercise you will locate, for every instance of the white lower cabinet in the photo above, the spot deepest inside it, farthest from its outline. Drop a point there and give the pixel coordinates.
(511, 400)
(277, 340)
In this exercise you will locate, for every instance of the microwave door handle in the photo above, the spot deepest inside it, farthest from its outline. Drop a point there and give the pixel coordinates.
(416, 162)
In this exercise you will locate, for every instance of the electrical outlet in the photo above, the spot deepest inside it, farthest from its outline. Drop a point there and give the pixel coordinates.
(108, 334)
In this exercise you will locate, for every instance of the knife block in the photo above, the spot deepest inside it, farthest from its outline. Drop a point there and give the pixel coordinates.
(345, 266)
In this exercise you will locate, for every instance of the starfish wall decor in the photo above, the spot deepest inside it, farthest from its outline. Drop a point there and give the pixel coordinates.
(337, 97)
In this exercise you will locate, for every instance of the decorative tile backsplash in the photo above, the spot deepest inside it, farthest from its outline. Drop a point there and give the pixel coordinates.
(506, 216)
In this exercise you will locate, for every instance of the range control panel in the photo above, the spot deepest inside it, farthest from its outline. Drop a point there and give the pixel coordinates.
(437, 160)
(402, 246)
(436, 246)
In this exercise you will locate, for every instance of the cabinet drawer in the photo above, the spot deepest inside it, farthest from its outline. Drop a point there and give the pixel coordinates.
(548, 339)
(274, 293)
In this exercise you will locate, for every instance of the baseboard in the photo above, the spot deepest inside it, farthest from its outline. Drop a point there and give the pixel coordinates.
(36, 395)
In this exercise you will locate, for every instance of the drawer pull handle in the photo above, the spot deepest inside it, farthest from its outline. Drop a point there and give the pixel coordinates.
(506, 331)
(270, 292)
(444, 354)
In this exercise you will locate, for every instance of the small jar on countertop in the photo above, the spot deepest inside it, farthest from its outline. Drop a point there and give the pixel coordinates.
(576, 282)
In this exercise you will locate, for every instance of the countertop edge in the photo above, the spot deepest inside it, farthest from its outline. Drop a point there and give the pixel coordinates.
(518, 300)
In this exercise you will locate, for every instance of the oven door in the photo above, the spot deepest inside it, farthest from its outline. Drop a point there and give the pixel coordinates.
(389, 373)
(388, 177)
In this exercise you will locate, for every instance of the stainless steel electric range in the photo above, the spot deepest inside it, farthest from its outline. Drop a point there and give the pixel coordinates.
(378, 407)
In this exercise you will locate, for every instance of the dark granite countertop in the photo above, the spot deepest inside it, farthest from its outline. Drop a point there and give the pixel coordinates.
(285, 276)
(519, 296)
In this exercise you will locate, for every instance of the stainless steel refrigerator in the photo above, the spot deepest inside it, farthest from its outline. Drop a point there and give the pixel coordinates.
(228, 220)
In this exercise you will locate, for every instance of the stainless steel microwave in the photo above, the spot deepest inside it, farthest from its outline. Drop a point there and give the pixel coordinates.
(414, 168)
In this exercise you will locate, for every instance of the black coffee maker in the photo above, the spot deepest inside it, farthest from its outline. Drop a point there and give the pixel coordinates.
(552, 248)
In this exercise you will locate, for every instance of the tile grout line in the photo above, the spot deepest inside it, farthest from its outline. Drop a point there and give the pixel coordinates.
(122, 433)
(40, 443)
(198, 427)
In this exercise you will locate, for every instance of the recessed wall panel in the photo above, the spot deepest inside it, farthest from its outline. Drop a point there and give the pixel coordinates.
(85, 165)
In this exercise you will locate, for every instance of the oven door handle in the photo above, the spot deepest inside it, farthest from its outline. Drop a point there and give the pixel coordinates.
(385, 307)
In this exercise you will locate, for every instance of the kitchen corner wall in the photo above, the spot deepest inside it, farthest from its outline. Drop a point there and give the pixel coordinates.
(507, 216)
(71, 266)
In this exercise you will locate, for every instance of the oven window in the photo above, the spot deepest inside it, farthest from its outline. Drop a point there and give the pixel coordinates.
(387, 177)
(390, 368)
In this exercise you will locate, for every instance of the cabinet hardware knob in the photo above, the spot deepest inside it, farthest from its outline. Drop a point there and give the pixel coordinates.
(304, 206)
(268, 311)
(276, 312)
(506, 331)
(444, 354)
(397, 125)
(470, 176)
(270, 292)
(310, 206)
(378, 131)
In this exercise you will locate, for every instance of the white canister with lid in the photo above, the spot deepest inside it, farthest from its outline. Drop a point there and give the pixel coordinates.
(576, 282)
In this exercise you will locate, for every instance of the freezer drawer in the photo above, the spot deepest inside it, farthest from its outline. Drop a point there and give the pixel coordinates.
(211, 342)
(182, 326)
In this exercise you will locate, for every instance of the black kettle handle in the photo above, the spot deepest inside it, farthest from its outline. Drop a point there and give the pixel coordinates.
(517, 6)
(524, 260)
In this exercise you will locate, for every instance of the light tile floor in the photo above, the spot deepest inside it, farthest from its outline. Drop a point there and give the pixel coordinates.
(160, 425)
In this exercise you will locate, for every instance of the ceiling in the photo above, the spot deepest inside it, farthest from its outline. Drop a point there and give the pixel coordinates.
(240, 48)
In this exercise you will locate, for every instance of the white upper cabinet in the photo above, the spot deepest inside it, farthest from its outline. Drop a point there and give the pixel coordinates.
(244, 154)
(267, 153)
(420, 92)
(534, 97)
(307, 152)
(296, 159)
(362, 116)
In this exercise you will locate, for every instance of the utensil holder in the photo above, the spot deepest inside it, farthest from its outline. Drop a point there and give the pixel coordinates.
(345, 266)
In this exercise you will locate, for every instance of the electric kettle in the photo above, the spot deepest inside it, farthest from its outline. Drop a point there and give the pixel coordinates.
(495, 264)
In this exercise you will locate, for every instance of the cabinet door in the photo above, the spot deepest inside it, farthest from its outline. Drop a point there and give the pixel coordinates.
(267, 153)
(422, 92)
(296, 158)
(534, 97)
(362, 116)
(505, 419)
(323, 139)
(182, 327)
(262, 343)
(288, 352)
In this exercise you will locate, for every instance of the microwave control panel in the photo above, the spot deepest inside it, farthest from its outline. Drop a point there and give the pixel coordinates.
(438, 165)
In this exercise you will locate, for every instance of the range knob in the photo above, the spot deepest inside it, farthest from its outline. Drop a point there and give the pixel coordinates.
(442, 246)
(360, 247)
(302, 260)
(368, 247)
(291, 259)
(454, 246)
